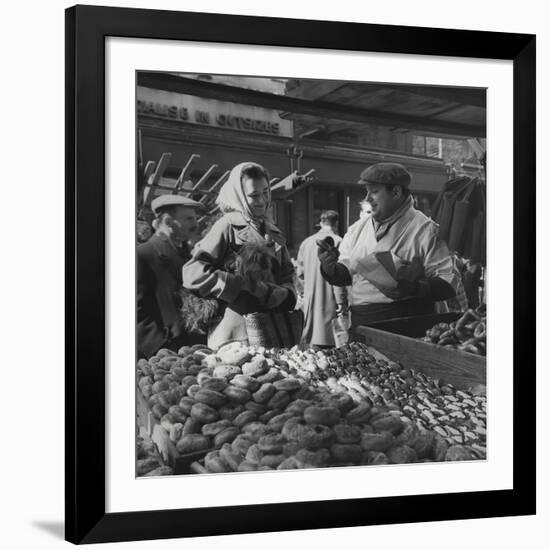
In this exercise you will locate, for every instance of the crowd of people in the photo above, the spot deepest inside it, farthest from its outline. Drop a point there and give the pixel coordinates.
(242, 266)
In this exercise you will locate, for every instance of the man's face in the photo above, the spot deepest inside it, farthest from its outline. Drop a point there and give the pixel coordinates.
(384, 199)
(182, 223)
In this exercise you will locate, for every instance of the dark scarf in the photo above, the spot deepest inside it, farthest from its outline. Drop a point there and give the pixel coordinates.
(382, 227)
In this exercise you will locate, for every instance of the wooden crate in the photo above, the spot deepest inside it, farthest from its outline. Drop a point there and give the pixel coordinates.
(180, 463)
(415, 327)
(462, 370)
(145, 418)
(183, 464)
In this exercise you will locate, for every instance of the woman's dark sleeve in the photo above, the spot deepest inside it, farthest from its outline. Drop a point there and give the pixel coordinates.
(204, 273)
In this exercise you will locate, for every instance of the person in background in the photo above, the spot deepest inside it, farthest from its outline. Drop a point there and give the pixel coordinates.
(471, 279)
(298, 284)
(322, 301)
(366, 209)
(427, 272)
(159, 264)
(459, 302)
(213, 271)
(144, 231)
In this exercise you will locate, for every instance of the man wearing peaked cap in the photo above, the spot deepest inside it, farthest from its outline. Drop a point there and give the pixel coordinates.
(387, 185)
(386, 173)
(160, 262)
(167, 200)
(397, 238)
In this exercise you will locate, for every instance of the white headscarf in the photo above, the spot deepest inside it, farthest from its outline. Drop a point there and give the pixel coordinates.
(233, 198)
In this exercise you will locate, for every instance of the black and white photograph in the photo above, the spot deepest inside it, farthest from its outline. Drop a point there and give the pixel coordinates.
(297, 282)
(311, 273)
(291, 265)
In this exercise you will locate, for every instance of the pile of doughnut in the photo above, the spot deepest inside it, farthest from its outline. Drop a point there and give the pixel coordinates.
(250, 409)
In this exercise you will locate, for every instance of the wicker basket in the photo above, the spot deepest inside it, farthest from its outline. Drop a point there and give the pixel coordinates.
(274, 329)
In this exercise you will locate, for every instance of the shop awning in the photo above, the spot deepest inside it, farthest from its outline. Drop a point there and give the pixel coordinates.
(451, 112)
(324, 105)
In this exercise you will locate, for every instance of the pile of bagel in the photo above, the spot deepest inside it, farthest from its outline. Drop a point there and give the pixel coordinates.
(457, 415)
(468, 333)
(248, 409)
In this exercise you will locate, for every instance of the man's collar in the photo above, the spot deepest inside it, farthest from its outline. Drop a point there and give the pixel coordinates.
(166, 240)
(401, 209)
(382, 227)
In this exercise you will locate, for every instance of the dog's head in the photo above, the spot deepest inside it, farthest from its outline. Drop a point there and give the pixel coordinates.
(255, 262)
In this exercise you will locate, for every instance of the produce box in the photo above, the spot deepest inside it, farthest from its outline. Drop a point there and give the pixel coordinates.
(451, 366)
(178, 462)
(145, 418)
(149, 463)
(415, 327)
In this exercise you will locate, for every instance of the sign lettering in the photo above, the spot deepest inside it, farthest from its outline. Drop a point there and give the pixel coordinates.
(202, 117)
(205, 112)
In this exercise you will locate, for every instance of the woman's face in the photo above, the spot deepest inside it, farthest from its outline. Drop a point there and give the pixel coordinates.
(256, 191)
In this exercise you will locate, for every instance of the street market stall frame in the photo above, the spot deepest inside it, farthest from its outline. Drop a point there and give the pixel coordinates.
(314, 107)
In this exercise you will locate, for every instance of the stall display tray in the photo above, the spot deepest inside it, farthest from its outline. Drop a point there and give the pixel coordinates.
(451, 366)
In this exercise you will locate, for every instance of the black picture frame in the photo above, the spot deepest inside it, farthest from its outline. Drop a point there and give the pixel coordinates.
(86, 30)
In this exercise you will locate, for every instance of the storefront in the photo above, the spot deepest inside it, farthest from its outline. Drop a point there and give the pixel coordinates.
(225, 133)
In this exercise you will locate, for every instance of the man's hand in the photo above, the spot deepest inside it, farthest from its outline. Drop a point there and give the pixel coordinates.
(328, 256)
(404, 289)
(411, 271)
(409, 281)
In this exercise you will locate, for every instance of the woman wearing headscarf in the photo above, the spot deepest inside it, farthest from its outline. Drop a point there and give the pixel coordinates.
(212, 271)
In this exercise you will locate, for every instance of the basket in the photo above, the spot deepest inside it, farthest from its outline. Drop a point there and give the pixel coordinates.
(274, 329)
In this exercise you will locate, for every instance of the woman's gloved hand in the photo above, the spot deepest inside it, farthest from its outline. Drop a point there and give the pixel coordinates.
(276, 296)
(259, 290)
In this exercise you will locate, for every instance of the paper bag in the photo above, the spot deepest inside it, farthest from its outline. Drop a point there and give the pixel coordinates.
(380, 269)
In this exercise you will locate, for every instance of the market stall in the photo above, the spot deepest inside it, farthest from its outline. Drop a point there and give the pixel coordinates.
(451, 346)
(249, 408)
(408, 390)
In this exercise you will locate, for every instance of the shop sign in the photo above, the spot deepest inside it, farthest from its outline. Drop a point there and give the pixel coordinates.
(211, 112)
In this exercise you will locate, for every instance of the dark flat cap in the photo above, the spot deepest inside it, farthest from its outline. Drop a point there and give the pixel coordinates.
(173, 200)
(386, 173)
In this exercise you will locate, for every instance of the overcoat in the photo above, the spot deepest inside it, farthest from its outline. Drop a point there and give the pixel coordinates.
(320, 297)
(210, 273)
(159, 265)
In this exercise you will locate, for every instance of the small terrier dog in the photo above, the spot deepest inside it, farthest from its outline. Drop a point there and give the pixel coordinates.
(254, 263)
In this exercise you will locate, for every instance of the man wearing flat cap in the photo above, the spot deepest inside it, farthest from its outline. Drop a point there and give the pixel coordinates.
(396, 239)
(160, 262)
